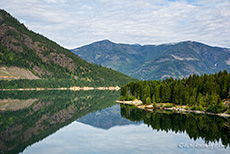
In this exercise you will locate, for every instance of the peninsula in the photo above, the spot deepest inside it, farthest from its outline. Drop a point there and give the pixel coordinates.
(174, 107)
(200, 94)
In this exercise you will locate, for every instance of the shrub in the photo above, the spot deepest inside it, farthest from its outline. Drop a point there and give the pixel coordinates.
(131, 98)
(154, 104)
(187, 107)
(219, 108)
(122, 98)
(148, 100)
(168, 105)
(196, 107)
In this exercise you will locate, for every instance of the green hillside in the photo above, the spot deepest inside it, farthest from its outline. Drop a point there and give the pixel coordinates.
(46, 59)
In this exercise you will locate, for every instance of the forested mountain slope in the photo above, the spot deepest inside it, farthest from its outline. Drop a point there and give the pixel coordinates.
(148, 62)
(20, 47)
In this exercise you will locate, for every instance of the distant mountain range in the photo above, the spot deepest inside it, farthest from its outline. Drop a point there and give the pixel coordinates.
(24, 52)
(177, 60)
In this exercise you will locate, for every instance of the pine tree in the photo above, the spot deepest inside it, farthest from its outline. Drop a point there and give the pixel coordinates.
(148, 100)
(153, 98)
(200, 99)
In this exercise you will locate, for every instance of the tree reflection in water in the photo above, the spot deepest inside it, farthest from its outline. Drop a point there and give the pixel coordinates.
(44, 114)
(209, 128)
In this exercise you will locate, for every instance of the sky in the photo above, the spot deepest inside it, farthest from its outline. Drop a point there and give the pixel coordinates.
(74, 23)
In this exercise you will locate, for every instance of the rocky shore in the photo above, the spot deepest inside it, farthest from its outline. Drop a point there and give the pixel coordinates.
(178, 109)
(63, 88)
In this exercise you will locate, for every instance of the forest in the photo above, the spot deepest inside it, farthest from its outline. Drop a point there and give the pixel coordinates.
(204, 92)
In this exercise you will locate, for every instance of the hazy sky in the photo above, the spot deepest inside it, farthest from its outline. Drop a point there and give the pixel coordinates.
(73, 23)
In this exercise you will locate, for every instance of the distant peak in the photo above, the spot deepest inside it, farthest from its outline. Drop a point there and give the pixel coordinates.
(189, 41)
(104, 41)
(174, 43)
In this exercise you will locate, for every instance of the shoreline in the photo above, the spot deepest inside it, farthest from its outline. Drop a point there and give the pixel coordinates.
(63, 88)
(138, 104)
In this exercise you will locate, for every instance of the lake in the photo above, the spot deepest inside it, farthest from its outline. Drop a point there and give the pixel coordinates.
(91, 122)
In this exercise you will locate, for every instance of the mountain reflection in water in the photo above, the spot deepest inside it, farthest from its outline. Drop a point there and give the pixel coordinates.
(44, 113)
(29, 118)
(106, 118)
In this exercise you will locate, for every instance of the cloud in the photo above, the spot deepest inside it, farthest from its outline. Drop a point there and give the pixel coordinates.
(135, 139)
(74, 23)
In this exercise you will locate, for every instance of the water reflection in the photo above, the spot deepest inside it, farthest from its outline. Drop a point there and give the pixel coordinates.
(207, 127)
(27, 116)
(106, 118)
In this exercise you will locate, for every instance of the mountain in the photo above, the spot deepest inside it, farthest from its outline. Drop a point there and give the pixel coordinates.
(42, 58)
(177, 60)
(120, 57)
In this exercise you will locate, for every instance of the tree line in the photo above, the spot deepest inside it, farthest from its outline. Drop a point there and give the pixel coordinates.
(56, 83)
(204, 92)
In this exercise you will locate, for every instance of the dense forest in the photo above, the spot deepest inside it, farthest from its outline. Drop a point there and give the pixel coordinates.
(204, 92)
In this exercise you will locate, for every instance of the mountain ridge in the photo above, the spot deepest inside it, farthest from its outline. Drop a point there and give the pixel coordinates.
(46, 59)
(146, 62)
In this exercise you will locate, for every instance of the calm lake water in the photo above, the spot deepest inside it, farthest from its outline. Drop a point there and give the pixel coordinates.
(90, 122)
